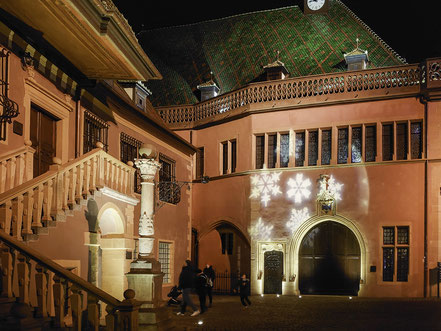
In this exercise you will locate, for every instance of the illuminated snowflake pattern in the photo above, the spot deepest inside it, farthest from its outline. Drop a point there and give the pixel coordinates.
(329, 189)
(264, 186)
(299, 188)
(260, 231)
(297, 218)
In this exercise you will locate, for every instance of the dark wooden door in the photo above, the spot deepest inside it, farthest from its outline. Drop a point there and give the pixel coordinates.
(43, 137)
(329, 261)
(273, 272)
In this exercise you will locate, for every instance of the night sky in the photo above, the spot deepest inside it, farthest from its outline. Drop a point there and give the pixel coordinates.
(411, 28)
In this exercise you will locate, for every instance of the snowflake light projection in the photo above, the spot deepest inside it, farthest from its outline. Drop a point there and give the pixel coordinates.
(265, 185)
(329, 189)
(260, 231)
(297, 218)
(299, 188)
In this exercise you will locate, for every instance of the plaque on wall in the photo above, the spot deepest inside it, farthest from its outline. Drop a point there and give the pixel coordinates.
(273, 272)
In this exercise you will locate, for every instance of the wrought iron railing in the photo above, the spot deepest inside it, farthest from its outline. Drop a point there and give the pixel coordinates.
(8, 108)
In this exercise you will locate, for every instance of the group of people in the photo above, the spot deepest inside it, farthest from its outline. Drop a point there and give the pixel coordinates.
(202, 281)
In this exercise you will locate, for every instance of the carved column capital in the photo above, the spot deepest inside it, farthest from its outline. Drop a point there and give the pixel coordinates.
(148, 168)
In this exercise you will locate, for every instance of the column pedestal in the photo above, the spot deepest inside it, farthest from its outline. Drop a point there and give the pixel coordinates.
(145, 277)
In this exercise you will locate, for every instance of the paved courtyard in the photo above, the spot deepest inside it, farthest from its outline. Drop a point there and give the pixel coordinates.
(314, 313)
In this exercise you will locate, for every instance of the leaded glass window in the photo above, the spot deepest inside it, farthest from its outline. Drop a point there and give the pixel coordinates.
(356, 147)
(402, 264)
(326, 146)
(416, 140)
(224, 158)
(200, 162)
(389, 235)
(260, 151)
(403, 235)
(312, 148)
(370, 143)
(284, 150)
(233, 155)
(402, 141)
(342, 145)
(300, 149)
(388, 142)
(272, 150)
(388, 264)
(164, 258)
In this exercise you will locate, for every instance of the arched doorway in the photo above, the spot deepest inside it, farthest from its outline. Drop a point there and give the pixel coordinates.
(329, 260)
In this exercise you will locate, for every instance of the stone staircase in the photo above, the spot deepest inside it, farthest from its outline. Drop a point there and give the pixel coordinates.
(35, 292)
(31, 208)
(39, 294)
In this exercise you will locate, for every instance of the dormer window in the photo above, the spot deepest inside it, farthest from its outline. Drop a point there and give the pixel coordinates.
(276, 70)
(357, 59)
(208, 89)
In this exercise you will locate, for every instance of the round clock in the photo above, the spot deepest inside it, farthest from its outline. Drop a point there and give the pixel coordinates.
(315, 4)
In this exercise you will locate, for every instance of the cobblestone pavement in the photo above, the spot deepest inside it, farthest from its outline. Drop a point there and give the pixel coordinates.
(314, 313)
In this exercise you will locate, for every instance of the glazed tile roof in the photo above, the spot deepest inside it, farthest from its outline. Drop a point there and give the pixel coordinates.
(236, 48)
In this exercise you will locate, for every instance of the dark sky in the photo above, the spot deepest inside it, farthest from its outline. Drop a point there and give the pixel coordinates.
(412, 28)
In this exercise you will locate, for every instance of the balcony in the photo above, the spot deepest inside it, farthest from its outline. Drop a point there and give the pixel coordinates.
(335, 88)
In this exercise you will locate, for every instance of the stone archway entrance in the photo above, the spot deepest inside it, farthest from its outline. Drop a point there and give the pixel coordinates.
(329, 260)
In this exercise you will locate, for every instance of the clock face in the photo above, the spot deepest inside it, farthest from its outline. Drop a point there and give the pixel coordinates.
(315, 4)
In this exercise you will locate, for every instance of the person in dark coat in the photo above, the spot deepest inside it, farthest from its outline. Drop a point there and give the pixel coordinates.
(186, 283)
(201, 286)
(209, 272)
(244, 290)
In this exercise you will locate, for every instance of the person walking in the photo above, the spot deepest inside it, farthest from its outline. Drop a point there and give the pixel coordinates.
(211, 275)
(201, 286)
(186, 283)
(244, 290)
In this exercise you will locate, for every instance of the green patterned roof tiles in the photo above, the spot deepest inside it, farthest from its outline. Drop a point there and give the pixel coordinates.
(235, 49)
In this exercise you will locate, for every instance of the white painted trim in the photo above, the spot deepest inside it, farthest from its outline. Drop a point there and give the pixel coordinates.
(118, 196)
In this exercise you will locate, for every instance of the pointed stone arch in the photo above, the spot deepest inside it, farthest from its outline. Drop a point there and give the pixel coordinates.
(295, 241)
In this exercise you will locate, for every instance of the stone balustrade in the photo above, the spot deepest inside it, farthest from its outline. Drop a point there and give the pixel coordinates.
(16, 167)
(34, 280)
(41, 200)
(300, 92)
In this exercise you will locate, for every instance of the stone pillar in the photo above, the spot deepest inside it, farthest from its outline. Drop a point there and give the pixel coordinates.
(145, 276)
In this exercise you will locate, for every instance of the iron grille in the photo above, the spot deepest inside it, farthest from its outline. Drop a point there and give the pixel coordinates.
(95, 129)
(129, 152)
(169, 192)
(8, 108)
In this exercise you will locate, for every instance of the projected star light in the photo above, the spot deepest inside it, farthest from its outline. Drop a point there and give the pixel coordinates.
(298, 216)
(265, 186)
(260, 231)
(299, 188)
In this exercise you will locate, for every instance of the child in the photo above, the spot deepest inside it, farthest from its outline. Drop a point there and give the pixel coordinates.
(244, 289)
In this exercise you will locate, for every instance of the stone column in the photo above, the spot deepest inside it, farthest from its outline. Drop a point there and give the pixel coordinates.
(148, 168)
(145, 276)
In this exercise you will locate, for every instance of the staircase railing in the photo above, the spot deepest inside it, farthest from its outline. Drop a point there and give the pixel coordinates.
(16, 167)
(34, 204)
(35, 280)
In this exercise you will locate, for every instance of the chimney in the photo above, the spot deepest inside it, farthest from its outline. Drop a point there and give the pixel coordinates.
(208, 89)
(357, 59)
(275, 70)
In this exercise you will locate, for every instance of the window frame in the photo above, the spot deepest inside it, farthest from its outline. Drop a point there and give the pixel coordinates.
(396, 246)
(170, 244)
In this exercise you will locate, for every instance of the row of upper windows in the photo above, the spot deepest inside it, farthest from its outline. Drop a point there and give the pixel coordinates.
(354, 144)
(312, 147)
